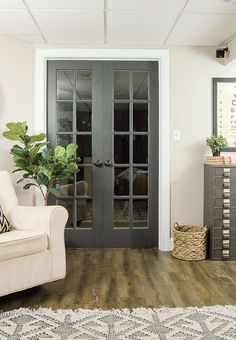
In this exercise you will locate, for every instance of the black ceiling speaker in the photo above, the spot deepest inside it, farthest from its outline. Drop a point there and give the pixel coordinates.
(220, 52)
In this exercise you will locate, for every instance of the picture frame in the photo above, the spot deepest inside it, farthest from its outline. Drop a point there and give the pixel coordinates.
(224, 110)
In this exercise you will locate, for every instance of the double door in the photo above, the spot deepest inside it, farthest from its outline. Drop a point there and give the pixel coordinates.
(110, 110)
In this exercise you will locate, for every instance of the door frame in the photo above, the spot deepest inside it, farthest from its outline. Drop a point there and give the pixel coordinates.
(160, 55)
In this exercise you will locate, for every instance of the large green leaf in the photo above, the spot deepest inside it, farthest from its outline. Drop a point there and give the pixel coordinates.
(59, 152)
(21, 163)
(37, 138)
(47, 155)
(42, 179)
(33, 151)
(71, 150)
(20, 180)
(17, 151)
(72, 167)
(17, 128)
(12, 136)
(28, 185)
(46, 171)
(17, 170)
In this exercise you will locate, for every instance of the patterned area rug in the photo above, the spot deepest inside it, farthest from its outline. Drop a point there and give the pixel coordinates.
(208, 323)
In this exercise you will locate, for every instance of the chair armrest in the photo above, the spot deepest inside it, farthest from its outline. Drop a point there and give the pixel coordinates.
(48, 219)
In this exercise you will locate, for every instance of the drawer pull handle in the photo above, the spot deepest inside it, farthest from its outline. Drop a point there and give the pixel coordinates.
(226, 205)
(226, 246)
(226, 185)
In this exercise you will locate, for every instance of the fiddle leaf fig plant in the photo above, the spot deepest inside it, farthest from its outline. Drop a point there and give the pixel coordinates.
(216, 143)
(43, 167)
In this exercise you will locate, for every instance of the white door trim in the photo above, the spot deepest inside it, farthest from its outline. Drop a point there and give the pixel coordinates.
(160, 55)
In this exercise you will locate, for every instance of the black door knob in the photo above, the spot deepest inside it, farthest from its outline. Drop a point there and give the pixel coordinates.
(98, 164)
(108, 163)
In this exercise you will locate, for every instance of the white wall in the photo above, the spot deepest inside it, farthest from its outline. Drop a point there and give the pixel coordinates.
(191, 69)
(16, 96)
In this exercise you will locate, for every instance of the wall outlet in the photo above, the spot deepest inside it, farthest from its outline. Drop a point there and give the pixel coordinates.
(176, 135)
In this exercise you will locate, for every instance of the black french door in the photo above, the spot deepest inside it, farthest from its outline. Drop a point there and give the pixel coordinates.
(110, 110)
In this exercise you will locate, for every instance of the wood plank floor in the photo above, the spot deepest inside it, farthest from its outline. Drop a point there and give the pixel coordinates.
(130, 278)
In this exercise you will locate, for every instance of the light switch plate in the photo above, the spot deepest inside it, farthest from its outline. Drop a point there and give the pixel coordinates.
(176, 135)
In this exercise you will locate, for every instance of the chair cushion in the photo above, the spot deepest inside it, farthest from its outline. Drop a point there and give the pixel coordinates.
(17, 243)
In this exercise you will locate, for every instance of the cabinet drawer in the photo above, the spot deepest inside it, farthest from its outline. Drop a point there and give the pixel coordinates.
(225, 182)
(225, 213)
(225, 172)
(224, 193)
(225, 223)
(225, 233)
(221, 254)
(224, 202)
(222, 243)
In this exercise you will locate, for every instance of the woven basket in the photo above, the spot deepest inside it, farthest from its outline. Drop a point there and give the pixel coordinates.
(190, 242)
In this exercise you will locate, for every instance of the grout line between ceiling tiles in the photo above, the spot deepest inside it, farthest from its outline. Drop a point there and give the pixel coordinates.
(176, 21)
(34, 20)
(105, 21)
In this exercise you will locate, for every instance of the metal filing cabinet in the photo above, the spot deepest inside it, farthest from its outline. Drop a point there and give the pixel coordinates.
(220, 210)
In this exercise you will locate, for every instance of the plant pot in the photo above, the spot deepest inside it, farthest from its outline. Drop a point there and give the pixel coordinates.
(216, 153)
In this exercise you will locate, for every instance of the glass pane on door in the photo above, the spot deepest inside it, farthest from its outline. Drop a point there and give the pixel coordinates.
(121, 149)
(140, 213)
(121, 85)
(84, 213)
(84, 150)
(83, 84)
(140, 85)
(65, 84)
(121, 181)
(84, 116)
(121, 214)
(64, 117)
(121, 117)
(84, 181)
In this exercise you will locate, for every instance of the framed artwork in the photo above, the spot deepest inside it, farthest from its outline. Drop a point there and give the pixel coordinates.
(224, 110)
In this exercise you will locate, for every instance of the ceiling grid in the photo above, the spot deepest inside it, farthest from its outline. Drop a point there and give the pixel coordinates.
(117, 22)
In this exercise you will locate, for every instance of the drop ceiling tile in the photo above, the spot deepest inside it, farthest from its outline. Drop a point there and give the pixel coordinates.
(193, 41)
(135, 40)
(67, 4)
(205, 26)
(146, 5)
(11, 4)
(74, 39)
(142, 24)
(29, 38)
(211, 6)
(16, 22)
(70, 22)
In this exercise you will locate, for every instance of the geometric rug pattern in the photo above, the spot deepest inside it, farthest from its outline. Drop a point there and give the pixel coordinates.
(207, 323)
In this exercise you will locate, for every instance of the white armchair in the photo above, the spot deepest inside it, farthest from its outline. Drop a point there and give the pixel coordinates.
(33, 252)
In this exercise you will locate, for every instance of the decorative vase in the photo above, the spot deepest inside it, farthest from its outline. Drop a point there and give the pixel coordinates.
(216, 153)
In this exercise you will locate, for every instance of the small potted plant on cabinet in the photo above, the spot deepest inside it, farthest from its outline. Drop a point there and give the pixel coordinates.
(216, 143)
